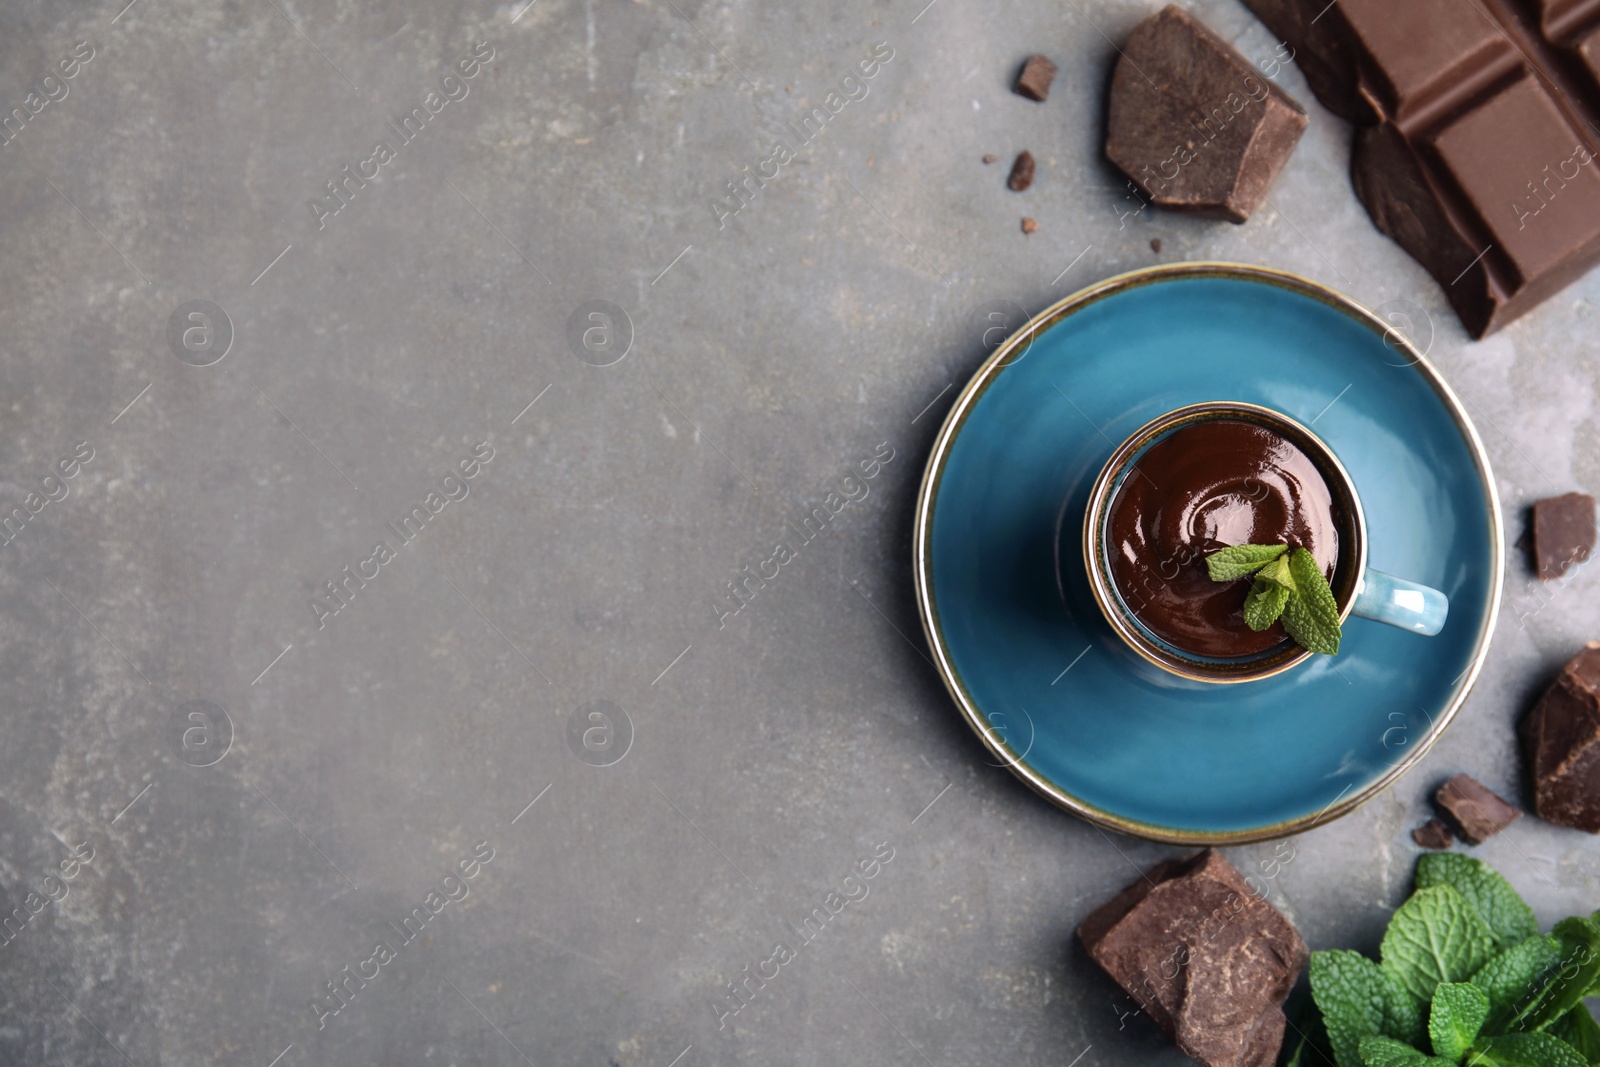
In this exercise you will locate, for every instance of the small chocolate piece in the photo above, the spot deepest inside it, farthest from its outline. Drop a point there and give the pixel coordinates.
(1205, 957)
(1433, 834)
(1034, 81)
(1155, 245)
(1563, 533)
(1561, 738)
(1021, 172)
(1478, 812)
(1029, 226)
(1475, 135)
(1194, 124)
(990, 157)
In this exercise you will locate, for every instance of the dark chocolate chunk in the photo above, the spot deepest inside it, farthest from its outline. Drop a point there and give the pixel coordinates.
(1477, 812)
(1021, 172)
(1475, 135)
(1034, 80)
(1029, 225)
(1433, 834)
(1155, 245)
(1193, 124)
(1206, 958)
(1563, 533)
(1561, 738)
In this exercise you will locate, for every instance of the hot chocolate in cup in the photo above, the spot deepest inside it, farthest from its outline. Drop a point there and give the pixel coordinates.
(1212, 475)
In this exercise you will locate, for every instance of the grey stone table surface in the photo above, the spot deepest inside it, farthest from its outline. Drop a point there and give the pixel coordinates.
(249, 848)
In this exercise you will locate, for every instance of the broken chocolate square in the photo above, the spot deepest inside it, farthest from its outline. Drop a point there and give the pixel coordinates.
(1194, 124)
(1021, 172)
(1478, 812)
(1206, 957)
(1561, 737)
(1034, 81)
(1433, 834)
(1563, 533)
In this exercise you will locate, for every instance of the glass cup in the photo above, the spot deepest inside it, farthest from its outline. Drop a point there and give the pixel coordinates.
(1357, 588)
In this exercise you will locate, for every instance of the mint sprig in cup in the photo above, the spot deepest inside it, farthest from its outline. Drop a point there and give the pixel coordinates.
(1288, 587)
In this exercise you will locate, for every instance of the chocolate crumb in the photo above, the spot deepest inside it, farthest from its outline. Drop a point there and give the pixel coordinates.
(1029, 226)
(1155, 245)
(990, 157)
(1034, 80)
(1021, 172)
(1433, 834)
(1477, 811)
(1562, 533)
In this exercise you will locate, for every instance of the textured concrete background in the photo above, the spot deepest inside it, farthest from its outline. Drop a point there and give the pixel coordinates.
(362, 760)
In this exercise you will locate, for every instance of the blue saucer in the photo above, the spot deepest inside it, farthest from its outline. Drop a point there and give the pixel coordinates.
(1028, 657)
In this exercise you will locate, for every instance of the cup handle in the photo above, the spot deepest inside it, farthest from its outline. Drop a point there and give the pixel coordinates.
(1385, 598)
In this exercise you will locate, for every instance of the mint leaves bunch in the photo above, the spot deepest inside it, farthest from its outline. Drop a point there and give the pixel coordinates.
(1465, 978)
(1287, 584)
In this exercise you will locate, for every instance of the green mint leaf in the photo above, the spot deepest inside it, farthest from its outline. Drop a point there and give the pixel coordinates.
(1458, 1013)
(1227, 564)
(1564, 984)
(1436, 936)
(1507, 915)
(1278, 571)
(1311, 616)
(1525, 1050)
(1308, 1038)
(1358, 1000)
(1387, 1052)
(1308, 630)
(1594, 990)
(1264, 604)
(1380, 1051)
(1349, 988)
(1404, 1018)
(1507, 977)
(1578, 1029)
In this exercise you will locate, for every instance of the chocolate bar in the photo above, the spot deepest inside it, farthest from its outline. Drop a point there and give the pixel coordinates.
(1477, 123)
(1205, 956)
(1476, 810)
(1563, 533)
(1561, 737)
(1193, 123)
